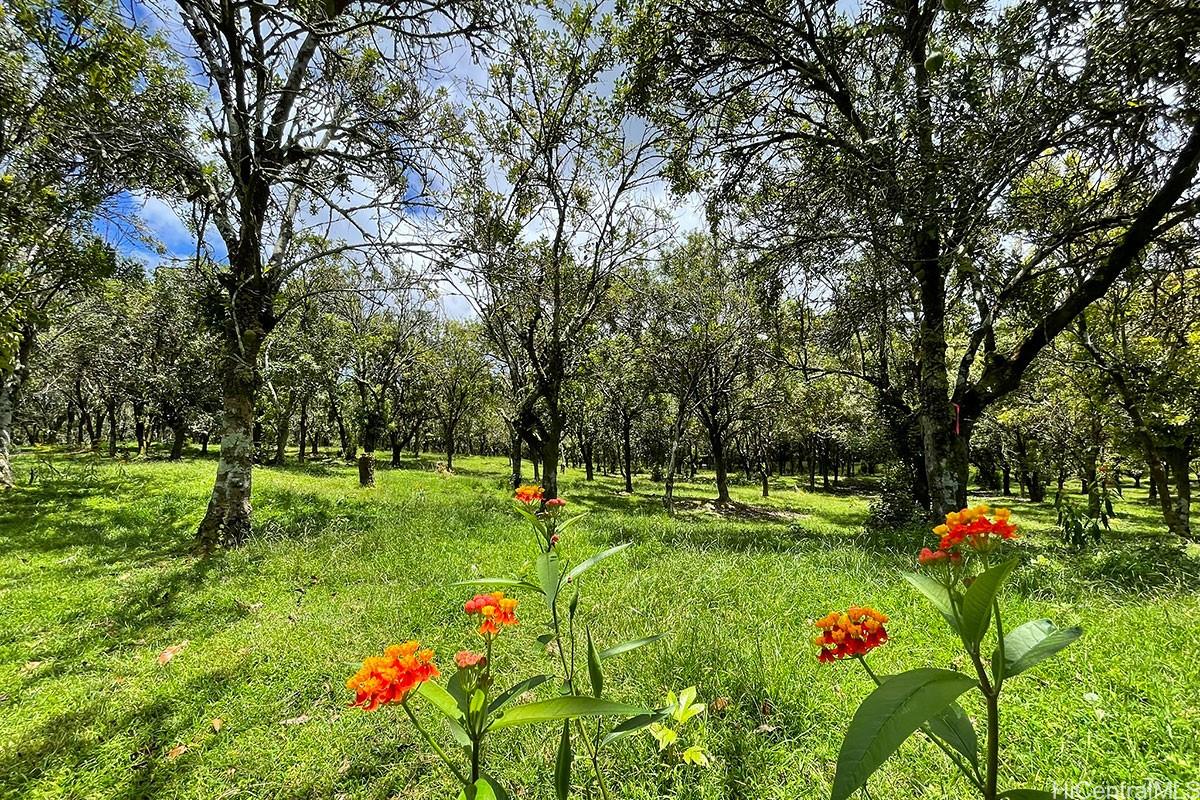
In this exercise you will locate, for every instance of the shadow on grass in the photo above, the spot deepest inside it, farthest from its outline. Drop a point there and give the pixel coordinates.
(80, 737)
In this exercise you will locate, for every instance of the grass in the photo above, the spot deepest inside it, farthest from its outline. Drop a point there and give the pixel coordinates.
(97, 578)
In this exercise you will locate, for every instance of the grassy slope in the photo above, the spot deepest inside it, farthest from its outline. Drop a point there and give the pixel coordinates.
(96, 579)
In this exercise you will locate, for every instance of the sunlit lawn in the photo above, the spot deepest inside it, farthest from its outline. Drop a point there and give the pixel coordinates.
(97, 578)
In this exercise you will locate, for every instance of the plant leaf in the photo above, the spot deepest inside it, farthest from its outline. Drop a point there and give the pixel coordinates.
(977, 602)
(954, 727)
(483, 789)
(548, 576)
(625, 647)
(887, 717)
(937, 594)
(562, 764)
(440, 699)
(633, 725)
(565, 707)
(696, 755)
(520, 688)
(584, 566)
(1032, 643)
(594, 673)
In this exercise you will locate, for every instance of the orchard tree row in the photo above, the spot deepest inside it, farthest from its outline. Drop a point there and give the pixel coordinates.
(748, 237)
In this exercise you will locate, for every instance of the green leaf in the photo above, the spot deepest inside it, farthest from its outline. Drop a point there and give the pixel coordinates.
(566, 707)
(440, 699)
(594, 560)
(483, 789)
(625, 647)
(937, 594)
(887, 717)
(1032, 643)
(548, 576)
(977, 602)
(954, 727)
(594, 673)
(499, 582)
(633, 725)
(562, 764)
(566, 523)
(478, 698)
(696, 755)
(1027, 794)
(520, 688)
(664, 735)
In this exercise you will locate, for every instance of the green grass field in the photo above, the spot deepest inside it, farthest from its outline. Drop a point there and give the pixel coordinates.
(97, 578)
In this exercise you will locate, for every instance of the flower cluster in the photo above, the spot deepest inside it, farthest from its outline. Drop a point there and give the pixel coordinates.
(389, 678)
(529, 495)
(852, 632)
(974, 527)
(466, 659)
(495, 609)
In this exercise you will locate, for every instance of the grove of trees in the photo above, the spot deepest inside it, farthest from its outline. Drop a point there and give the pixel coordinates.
(944, 243)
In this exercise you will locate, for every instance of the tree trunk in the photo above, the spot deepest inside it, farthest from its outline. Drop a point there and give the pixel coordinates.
(673, 455)
(139, 425)
(282, 431)
(1006, 479)
(716, 438)
(514, 455)
(227, 522)
(178, 434)
(448, 435)
(627, 451)
(9, 388)
(1177, 504)
(589, 466)
(303, 429)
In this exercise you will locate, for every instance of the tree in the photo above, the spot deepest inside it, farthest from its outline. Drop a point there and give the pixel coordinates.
(460, 378)
(319, 114)
(90, 106)
(927, 140)
(1145, 340)
(538, 255)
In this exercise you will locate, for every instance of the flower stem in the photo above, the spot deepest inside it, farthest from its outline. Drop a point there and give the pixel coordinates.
(433, 743)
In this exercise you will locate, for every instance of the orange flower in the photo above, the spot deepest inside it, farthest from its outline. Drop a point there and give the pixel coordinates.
(852, 632)
(390, 677)
(495, 609)
(529, 495)
(465, 659)
(973, 527)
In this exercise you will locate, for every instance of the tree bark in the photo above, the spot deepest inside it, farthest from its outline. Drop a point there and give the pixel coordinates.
(716, 438)
(627, 451)
(300, 455)
(178, 435)
(228, 520)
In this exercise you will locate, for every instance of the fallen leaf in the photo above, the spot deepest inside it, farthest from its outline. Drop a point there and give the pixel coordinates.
(344, 767)
(176, 751)
(300, 720)
(766, 730)
(217, 723)
(30, 666)
(719, 705)
(166, 655)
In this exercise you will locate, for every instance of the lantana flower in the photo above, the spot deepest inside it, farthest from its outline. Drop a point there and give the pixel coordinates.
(529, 494)
(974, 528)
(852, 632)
(495, 609)
(555, 504)
(391, 677)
